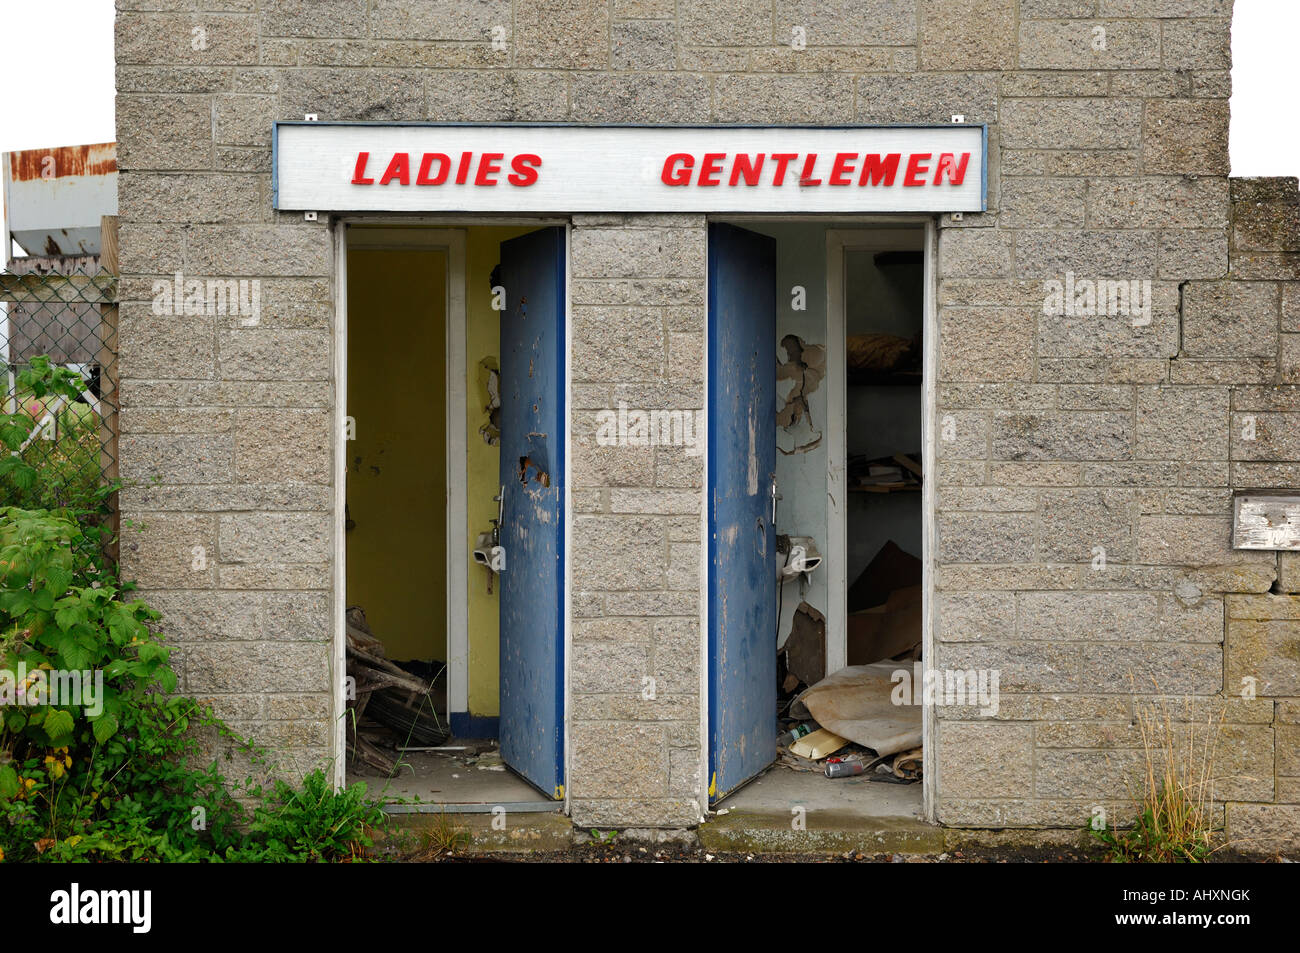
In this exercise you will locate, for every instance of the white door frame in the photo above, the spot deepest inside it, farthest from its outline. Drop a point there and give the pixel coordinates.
(451, 241)
(450, 233)
(838, 241)
(841, 233)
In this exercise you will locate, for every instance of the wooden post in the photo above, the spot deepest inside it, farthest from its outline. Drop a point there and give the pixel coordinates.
(108, 376)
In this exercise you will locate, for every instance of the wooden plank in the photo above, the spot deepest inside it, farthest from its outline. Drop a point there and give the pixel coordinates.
(58, 289)
(1266, 521)
(907, 463)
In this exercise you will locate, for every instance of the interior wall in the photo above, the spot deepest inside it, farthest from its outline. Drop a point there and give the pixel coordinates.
(882, 419)
(801, 461)
(396, 493)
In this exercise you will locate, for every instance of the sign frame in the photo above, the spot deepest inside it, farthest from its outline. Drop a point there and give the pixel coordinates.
(570, 203)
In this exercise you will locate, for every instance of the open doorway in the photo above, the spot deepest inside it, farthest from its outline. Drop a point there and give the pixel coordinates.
(836, 577)
(453, 514)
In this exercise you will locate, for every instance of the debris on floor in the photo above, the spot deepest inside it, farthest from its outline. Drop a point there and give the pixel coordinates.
(847, 726)
(888, 631)
(393, 705)
(489, 760)
(907, 765)
(856, 703)
(820, 744)
(793, 734)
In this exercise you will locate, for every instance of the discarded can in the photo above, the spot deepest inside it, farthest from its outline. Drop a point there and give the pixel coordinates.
(844, 769)
(794, 734)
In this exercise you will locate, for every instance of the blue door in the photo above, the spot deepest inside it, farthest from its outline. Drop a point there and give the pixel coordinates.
(742, 471)
(532, 530)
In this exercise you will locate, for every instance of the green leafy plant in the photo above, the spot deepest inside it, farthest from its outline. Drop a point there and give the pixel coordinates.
(63, 473)
(54, 624)
(123, 774)
(311, 824)
(100, 760)
(60, 472)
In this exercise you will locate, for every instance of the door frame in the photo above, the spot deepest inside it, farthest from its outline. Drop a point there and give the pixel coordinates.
(868, 237)
(839, 230)
(450, 234)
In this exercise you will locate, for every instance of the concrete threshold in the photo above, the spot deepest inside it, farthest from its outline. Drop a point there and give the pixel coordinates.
(488, 833)
(510, 807)
(748, 831)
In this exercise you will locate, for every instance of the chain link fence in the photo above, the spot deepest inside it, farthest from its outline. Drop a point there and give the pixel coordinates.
(64, 309)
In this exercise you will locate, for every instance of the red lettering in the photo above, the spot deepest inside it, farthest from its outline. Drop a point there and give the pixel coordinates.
(677, 169)
(956, 172)
(915, 170)
(399, 168)
(782, 159)
(462, 170)
(877, 171)
(711, 168)
(488, 166)
(805, 177)
(748, 167)
(525, 169)
(426, 163)
(843, 166)
(359, 173)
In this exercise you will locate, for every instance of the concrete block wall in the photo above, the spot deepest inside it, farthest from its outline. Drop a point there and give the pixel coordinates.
(1108, 160)
(638, 319)
(1124, 441)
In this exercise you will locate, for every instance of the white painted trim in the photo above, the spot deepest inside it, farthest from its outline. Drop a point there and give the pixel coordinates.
(706, 736)
(837, 546)
(929, 532)
(399, 237)
(865, 236)
(449, 220)
(566, 637)
(458, 543)
(338, 575)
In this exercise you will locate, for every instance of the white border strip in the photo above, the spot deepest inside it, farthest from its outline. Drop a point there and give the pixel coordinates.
(338, 576)
(869, 237)
(566, 637)
(929, 531)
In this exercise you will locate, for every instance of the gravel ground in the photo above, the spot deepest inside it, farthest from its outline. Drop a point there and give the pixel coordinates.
(631, 853)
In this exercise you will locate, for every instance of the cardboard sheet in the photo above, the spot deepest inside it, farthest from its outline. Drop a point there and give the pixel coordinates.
(854, 703)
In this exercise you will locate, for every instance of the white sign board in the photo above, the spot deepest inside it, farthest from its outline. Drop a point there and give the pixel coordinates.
(558, 169)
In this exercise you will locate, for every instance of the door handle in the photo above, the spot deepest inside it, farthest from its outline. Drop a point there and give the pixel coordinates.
(497, 554)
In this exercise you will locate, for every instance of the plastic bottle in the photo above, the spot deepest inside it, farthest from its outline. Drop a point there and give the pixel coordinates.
(794, 734)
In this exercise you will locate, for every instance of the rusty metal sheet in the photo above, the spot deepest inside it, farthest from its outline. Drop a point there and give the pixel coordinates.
(55, 198)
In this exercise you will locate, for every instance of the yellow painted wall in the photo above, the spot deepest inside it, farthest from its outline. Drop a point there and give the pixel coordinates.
(397, 360)
(396, 568)
(482, 342)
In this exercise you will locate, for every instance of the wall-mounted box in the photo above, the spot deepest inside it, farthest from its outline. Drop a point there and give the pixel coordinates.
(1266, 521)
